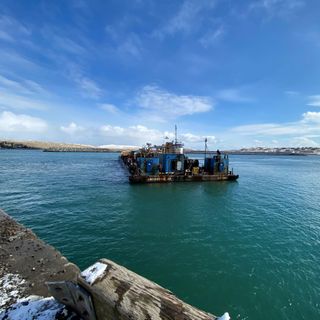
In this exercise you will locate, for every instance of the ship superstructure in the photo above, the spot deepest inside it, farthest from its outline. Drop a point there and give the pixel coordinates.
(169, 163)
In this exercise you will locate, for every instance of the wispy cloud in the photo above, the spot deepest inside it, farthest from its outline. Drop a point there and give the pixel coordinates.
(71, 41)
(233, 95)
(187, 19)
(12, 85)
(13, 101)
(270, 129)
(66, 44)
(212, 37)
(125, 42)
(89, 88)
(19, 93)
(23, 86)
(10, 29)
(166, 105)
(131, 45)
(35, 87)
(109, 108)
(10, 59)
(21, 123)
(292, 93)
(309, 124)
(314, 101)
(6, 36)
(276, 8)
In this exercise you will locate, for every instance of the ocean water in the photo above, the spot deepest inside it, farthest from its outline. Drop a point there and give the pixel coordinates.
(250, 247)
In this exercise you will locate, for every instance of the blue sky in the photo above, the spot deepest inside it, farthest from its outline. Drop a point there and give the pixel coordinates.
(242, 73)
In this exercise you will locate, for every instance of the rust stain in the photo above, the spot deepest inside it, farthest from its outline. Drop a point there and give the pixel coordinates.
(122, 289)
(170, 310)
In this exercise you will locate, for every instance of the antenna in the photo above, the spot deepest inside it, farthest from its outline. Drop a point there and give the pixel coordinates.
(175, 134)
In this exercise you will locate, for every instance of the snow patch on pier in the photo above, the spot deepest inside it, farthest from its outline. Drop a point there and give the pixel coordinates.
(34, 307)
(12, 288)
(95, 272)
(14, 305)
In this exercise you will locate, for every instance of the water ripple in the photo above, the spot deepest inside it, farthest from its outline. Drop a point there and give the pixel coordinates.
(250, 247)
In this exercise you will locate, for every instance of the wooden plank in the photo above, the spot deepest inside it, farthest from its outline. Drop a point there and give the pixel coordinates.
(121, 294)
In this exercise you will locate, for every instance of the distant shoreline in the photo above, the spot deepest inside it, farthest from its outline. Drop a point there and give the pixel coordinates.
(65, 147)
(52, 147)
(254, 153)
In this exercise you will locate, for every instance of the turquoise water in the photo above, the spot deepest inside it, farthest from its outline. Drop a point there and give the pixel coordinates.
(250, 247)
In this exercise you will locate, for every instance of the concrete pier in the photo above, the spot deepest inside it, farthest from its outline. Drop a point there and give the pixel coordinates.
(27, 263)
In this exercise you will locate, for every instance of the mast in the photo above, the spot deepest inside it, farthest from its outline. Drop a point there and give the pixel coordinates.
(175, 134)
(205, 149)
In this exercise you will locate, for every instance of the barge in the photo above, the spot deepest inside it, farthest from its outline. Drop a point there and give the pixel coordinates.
(169, 163)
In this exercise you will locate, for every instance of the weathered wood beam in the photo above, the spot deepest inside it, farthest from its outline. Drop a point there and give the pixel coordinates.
(121, 294)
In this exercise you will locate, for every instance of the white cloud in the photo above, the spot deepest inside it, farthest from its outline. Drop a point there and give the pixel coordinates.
(139, 135)
(232, 95)
(112, 130)
(72, 128)
(311, 117)
(166, 105)
(20, 123)
(314, 101)
(109, 108)
(190, 138)
(119, 146)
(132, 135)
